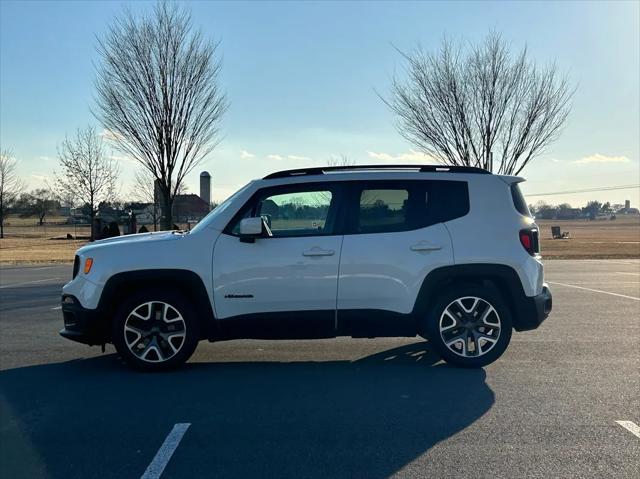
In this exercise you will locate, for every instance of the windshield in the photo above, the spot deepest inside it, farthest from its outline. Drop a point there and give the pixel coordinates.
(219, 209)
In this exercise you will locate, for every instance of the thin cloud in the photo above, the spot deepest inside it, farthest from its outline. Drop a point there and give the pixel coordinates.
(298, 158)
(598, 158)
(411, 156)
(109, 135)
(42, 178)
(245, 155)
(275, 157)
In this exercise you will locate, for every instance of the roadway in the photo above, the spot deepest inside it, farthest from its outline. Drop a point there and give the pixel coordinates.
(329, 408)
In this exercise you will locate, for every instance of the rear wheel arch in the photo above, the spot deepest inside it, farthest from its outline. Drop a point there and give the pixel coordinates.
(185, 282)
(502, 278)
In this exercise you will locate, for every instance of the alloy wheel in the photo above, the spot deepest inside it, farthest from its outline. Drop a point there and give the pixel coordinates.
(155, 331)
(470, 326)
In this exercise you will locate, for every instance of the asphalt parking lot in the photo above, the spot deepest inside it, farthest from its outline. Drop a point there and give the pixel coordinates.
(330, 408)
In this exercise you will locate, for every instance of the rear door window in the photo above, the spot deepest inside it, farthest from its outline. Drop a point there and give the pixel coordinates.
(388, 206)
(382, 210)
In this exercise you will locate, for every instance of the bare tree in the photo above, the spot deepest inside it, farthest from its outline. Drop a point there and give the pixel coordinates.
(41, 202)
(144, 191)
(10, 184)
(480, 106)
(86, 171)
(342, 160)
(159, 95)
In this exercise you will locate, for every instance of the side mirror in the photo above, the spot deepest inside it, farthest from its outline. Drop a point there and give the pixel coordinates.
(250, 229)
(251, 226)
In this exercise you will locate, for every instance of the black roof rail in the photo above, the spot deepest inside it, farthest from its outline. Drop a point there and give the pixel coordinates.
(320, 170)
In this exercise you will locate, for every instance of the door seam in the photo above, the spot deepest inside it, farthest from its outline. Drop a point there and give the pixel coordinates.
(335, 310)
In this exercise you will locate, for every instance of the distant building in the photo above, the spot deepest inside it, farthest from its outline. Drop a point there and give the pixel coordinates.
(189, 207)
(64, 211)
(628, 211)
(568, 213)
(108, 214)
(205, 187)
(144, 212)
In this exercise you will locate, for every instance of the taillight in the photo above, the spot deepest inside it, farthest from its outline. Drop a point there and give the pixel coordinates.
(529, 241)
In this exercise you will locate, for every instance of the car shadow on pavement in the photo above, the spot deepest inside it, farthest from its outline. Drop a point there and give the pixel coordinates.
(365, 418)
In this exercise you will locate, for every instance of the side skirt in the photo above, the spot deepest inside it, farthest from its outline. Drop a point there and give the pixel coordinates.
(372, 323)
(278, 325)
(357, 323)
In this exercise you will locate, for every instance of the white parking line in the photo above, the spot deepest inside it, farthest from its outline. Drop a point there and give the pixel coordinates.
(595, 290)
(624, 272)
(160, 461)
(630, 426)
(28, 282)
(57, 307)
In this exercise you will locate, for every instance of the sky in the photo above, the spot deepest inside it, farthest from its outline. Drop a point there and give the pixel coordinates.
(304, 78)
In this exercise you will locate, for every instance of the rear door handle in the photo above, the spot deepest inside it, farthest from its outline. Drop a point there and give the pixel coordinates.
(425, 246)
(315, 251)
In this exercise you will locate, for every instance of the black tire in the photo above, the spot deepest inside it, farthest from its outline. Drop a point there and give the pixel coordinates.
(456, 354)
(183, 333)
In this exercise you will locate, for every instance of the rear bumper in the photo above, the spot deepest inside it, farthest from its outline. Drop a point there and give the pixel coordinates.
(83, 325)
(531, 311)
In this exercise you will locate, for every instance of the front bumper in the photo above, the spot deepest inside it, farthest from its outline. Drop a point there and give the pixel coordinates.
(531, 311)
(83, 325)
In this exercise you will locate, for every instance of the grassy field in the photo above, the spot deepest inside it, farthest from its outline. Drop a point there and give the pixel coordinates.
(25, 242)
(618, 238)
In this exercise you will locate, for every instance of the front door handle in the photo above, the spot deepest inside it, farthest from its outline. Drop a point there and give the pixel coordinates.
(425, 246)
(315, 251)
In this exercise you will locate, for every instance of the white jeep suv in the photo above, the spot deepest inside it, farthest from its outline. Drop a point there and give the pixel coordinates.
(447, 253)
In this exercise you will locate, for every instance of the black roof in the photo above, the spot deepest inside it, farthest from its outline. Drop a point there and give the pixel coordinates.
(422, 168)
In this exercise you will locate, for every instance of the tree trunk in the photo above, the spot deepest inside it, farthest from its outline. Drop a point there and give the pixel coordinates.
(155, 216)
(166, 221)
(92, 232)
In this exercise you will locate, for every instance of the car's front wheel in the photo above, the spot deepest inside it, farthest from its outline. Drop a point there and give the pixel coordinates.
(469, 326)
(155, 330)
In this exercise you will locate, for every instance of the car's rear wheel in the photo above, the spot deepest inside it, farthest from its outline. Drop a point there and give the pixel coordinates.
(469, 326)
(155, 330)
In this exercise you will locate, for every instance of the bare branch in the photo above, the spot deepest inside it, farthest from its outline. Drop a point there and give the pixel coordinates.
(342, 160)
(86, 173)
(158, 94)
(10, 184)
(461, 105)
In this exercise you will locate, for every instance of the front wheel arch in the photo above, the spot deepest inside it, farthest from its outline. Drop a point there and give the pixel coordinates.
(186, 282)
